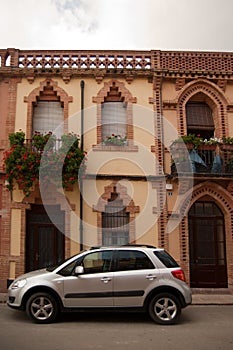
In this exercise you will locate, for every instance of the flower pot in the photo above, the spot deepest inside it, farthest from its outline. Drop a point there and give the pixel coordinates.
(207, 147)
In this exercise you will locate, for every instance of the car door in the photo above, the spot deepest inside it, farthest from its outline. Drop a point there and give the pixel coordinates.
(134, 274)
(93, 288)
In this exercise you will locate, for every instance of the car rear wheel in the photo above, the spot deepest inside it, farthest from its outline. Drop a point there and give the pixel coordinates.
(42, 308)
(164, 308)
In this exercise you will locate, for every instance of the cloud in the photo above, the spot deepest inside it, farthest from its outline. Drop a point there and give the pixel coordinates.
(77, 14)
(117, 24)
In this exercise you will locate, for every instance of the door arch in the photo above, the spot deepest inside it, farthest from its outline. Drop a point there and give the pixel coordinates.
(207, 246)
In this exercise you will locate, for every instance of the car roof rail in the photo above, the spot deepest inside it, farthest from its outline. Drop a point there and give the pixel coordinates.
(125, 245)
(138, 245)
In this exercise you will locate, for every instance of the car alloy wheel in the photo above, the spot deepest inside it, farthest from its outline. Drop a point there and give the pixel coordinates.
(42, 308)
(164, 308)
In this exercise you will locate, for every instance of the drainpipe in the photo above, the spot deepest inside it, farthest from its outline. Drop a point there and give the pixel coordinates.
(81, 180)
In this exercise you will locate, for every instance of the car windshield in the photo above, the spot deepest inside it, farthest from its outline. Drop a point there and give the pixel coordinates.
(51, 268)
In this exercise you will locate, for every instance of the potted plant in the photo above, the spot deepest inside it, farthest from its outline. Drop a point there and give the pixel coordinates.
(115, 140)
(227, 143)
(23, 161)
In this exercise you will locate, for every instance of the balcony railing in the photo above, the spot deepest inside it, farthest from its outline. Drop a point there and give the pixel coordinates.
(205, 159)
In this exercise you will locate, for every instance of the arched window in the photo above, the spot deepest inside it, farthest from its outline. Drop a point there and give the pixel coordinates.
(199, 119)
(114, 115)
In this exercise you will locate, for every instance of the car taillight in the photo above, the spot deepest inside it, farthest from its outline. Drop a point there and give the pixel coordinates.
(179, 274)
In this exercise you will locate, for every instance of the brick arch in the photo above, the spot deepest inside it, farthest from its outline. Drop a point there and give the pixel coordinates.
(224, 200)
(217, 102)
(130, 207)
(32, 98)
(128, 98)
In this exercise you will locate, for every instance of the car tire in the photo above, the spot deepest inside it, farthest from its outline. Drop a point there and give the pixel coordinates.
(164, 308)
(42, 308)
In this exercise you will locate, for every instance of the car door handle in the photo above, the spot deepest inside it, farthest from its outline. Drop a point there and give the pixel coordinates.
(106, 279)
(151, 277)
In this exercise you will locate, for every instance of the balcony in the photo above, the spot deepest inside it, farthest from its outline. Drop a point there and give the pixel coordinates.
(207, 160)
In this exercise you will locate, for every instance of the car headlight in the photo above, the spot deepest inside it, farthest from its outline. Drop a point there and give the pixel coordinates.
(18, 284)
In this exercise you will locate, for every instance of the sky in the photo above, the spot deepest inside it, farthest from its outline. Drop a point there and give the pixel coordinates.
(197, 25)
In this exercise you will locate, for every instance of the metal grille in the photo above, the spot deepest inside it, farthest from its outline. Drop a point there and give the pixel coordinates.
(115, 225)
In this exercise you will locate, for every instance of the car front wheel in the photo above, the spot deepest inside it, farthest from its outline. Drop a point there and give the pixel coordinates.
(164, 308)
(42, 308)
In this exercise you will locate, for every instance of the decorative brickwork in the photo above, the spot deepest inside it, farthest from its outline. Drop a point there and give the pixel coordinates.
(197, 61)
(224, 200)
(216, 99)
(84, 59)
(158, 150)
(35, 95)
(128, 203)
(126, 97)
(161, 212)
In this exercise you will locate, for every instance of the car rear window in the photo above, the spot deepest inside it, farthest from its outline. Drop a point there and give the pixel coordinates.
(166, 258)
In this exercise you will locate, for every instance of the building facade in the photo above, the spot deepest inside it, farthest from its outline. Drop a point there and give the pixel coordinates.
(131, 110)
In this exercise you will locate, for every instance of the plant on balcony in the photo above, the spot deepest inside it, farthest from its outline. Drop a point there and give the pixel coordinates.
(188, 139)
(211, 141)
(23, 163)
(115, 140)
(227, 140)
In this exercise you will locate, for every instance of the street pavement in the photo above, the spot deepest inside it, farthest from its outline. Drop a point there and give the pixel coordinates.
(201, 327)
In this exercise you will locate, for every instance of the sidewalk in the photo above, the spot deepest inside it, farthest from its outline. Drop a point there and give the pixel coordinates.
(200, 297)
(221, 296)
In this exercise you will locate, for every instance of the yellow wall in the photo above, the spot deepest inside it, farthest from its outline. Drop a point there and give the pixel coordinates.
(15, 232)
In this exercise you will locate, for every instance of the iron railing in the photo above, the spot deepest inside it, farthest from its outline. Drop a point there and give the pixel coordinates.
(215, 160)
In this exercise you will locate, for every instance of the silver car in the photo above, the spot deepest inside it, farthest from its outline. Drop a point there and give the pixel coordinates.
(132, 277)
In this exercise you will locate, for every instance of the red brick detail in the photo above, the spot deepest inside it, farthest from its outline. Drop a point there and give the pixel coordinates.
(161, 212)
(35, 95)
(224, 200)
(130, 207)
(126, 96)
(215, 98)
(157, 148)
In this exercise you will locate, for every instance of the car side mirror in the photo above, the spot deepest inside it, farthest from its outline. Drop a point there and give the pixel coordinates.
(79, 270)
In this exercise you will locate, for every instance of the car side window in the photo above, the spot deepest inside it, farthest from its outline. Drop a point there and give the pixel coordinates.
(97, 262)
(68, 269)
(133, 260)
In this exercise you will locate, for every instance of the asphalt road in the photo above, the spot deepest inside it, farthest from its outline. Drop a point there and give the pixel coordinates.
(200, 328)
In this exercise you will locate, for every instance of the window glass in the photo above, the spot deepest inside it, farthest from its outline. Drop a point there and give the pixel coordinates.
(199, 119)
(166, 258)
(115, 223)
(97, 262)
(113, 119)
(133, 260)
(48, 117)
(67, 271)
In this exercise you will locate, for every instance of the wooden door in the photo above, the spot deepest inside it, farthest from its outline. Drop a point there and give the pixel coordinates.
(207, 246)
(44, 239)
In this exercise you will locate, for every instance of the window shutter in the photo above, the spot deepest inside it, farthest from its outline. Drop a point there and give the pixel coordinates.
(113, 119)
(48, 116)
(199, 116)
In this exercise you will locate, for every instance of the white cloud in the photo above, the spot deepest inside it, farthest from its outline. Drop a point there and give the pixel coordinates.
(117, 24)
